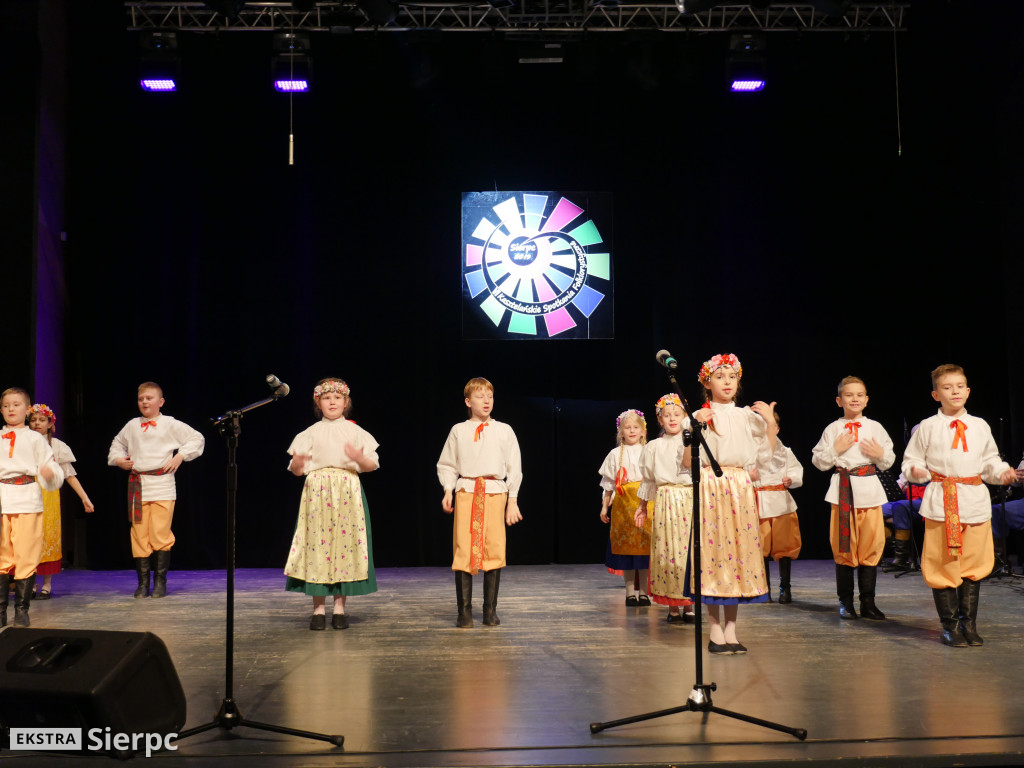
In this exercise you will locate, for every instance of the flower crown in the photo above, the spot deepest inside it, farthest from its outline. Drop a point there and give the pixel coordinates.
(670, 399)
(719, 361)
(330, 386)
(626, 414)
(45, 410)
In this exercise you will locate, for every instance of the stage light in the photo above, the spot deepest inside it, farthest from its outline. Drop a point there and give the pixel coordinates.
(158, 64)
(292, 67)
(745, 64)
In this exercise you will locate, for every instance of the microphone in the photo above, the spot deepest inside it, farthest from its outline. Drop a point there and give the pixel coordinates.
(664, 357)
(280, 388)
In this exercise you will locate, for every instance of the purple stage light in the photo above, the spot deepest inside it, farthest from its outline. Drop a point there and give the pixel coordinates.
(158, 84)
(291, 86)
(747, 86)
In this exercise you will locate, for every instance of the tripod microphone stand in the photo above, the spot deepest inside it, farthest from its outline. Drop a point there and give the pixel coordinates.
(699, 699)
(229, 716)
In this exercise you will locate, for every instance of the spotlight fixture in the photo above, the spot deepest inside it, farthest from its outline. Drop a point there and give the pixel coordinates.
(745, 64)
(158, 63)
(292, 67)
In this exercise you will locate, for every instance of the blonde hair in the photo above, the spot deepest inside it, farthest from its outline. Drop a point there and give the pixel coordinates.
(150, 385)
(477, 383)
(850, 380)
(618, 437)
(16, 391)
(945, 370)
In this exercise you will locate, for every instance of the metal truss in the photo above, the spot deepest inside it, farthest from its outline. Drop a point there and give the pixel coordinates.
(526, 16)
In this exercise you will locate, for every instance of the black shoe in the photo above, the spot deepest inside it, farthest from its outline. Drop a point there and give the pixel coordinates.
(338, 621)
(689, 618)
(738, 647)
(846, 609)
(163, 563)
(643, 599)
(675, 618)
(317, 622)
(632, 602)
(464, 599)
(492, 581)
(721, 649)
(868, 610)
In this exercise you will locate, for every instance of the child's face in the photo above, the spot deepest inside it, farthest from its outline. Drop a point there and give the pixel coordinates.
(952, 391)
(853, 399)
(632, 430)
(671, 419)
(39, 422)
(332, 405)
(480, 403)
(150, 402)
(15, 408)
(723, 385)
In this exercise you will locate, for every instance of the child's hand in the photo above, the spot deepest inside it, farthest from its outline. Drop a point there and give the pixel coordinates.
(512, 514)
(173, 464)
(353, 453)
(299, 461)
(640, 516)
(87, 506)
(703, 415)
(786, 482)
(767, 412)
(872, 449)
(1020, 475)
(920, 474)
(45, 472)
(125, 463)
(446, 502)
(1009, 477)
(754, 474)
(604, 515)
(843, 443)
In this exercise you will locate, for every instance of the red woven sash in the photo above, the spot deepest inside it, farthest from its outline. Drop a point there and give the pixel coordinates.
(951, 508)
(135, 492)
(846, 500)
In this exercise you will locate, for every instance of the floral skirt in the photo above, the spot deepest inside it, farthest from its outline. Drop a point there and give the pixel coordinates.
(732, 566)
(332, 549)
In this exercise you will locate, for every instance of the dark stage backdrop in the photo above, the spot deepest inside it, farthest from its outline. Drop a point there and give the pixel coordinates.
(783, 227)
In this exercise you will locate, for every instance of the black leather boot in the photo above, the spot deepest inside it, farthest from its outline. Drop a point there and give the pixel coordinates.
(22, 598)
(491, 581)
(844, 588)
(947, 603)
(867, 575)
(163, 563)
(785, 595)
(768, 577)
(142, 570)
(464, 597)
(967, 595)
(5, 586)
(900, 556)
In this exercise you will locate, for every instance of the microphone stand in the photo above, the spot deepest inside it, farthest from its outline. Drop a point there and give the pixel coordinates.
(229, 716)
(699, 699)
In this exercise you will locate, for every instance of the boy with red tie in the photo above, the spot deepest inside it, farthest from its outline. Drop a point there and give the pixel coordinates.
(955, 454)
(151, 448)
(24, 456)
(855, 448)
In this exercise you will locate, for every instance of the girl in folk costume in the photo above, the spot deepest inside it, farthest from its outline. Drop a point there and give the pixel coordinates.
(741, 439)
(628, 546)
(332, 550)
(780, 527)
(666, 479)
(41, 419)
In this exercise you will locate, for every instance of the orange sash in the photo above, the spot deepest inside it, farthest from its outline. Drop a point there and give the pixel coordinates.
(951, 508)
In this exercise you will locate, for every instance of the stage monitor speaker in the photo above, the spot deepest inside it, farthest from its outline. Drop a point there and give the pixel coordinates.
(66, 678)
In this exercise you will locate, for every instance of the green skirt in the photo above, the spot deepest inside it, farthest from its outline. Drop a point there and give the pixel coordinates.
(347, 588)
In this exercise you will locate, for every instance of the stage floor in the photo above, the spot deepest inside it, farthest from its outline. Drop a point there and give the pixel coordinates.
(406, 688)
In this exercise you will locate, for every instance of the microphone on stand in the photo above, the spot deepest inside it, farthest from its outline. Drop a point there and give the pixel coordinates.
(280, 388)
(664, 358)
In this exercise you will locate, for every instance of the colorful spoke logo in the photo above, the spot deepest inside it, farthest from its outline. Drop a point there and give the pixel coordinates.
(535, 265)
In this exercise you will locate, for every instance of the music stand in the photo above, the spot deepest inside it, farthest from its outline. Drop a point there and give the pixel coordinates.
(229, 716)
(699, 699)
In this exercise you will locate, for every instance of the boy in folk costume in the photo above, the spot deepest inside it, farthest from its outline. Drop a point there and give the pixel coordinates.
(855, 447)
(955, 454)
(480, 464)
(152, 448)
(776, 509)
(24, 456)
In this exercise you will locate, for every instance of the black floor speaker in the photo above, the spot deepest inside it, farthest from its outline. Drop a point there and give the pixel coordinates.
(66, 678)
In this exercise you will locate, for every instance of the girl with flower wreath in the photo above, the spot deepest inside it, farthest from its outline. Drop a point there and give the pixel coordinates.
(666, 480)
(332, 549)
(741, 439)
(629, 547)
(41, 419)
